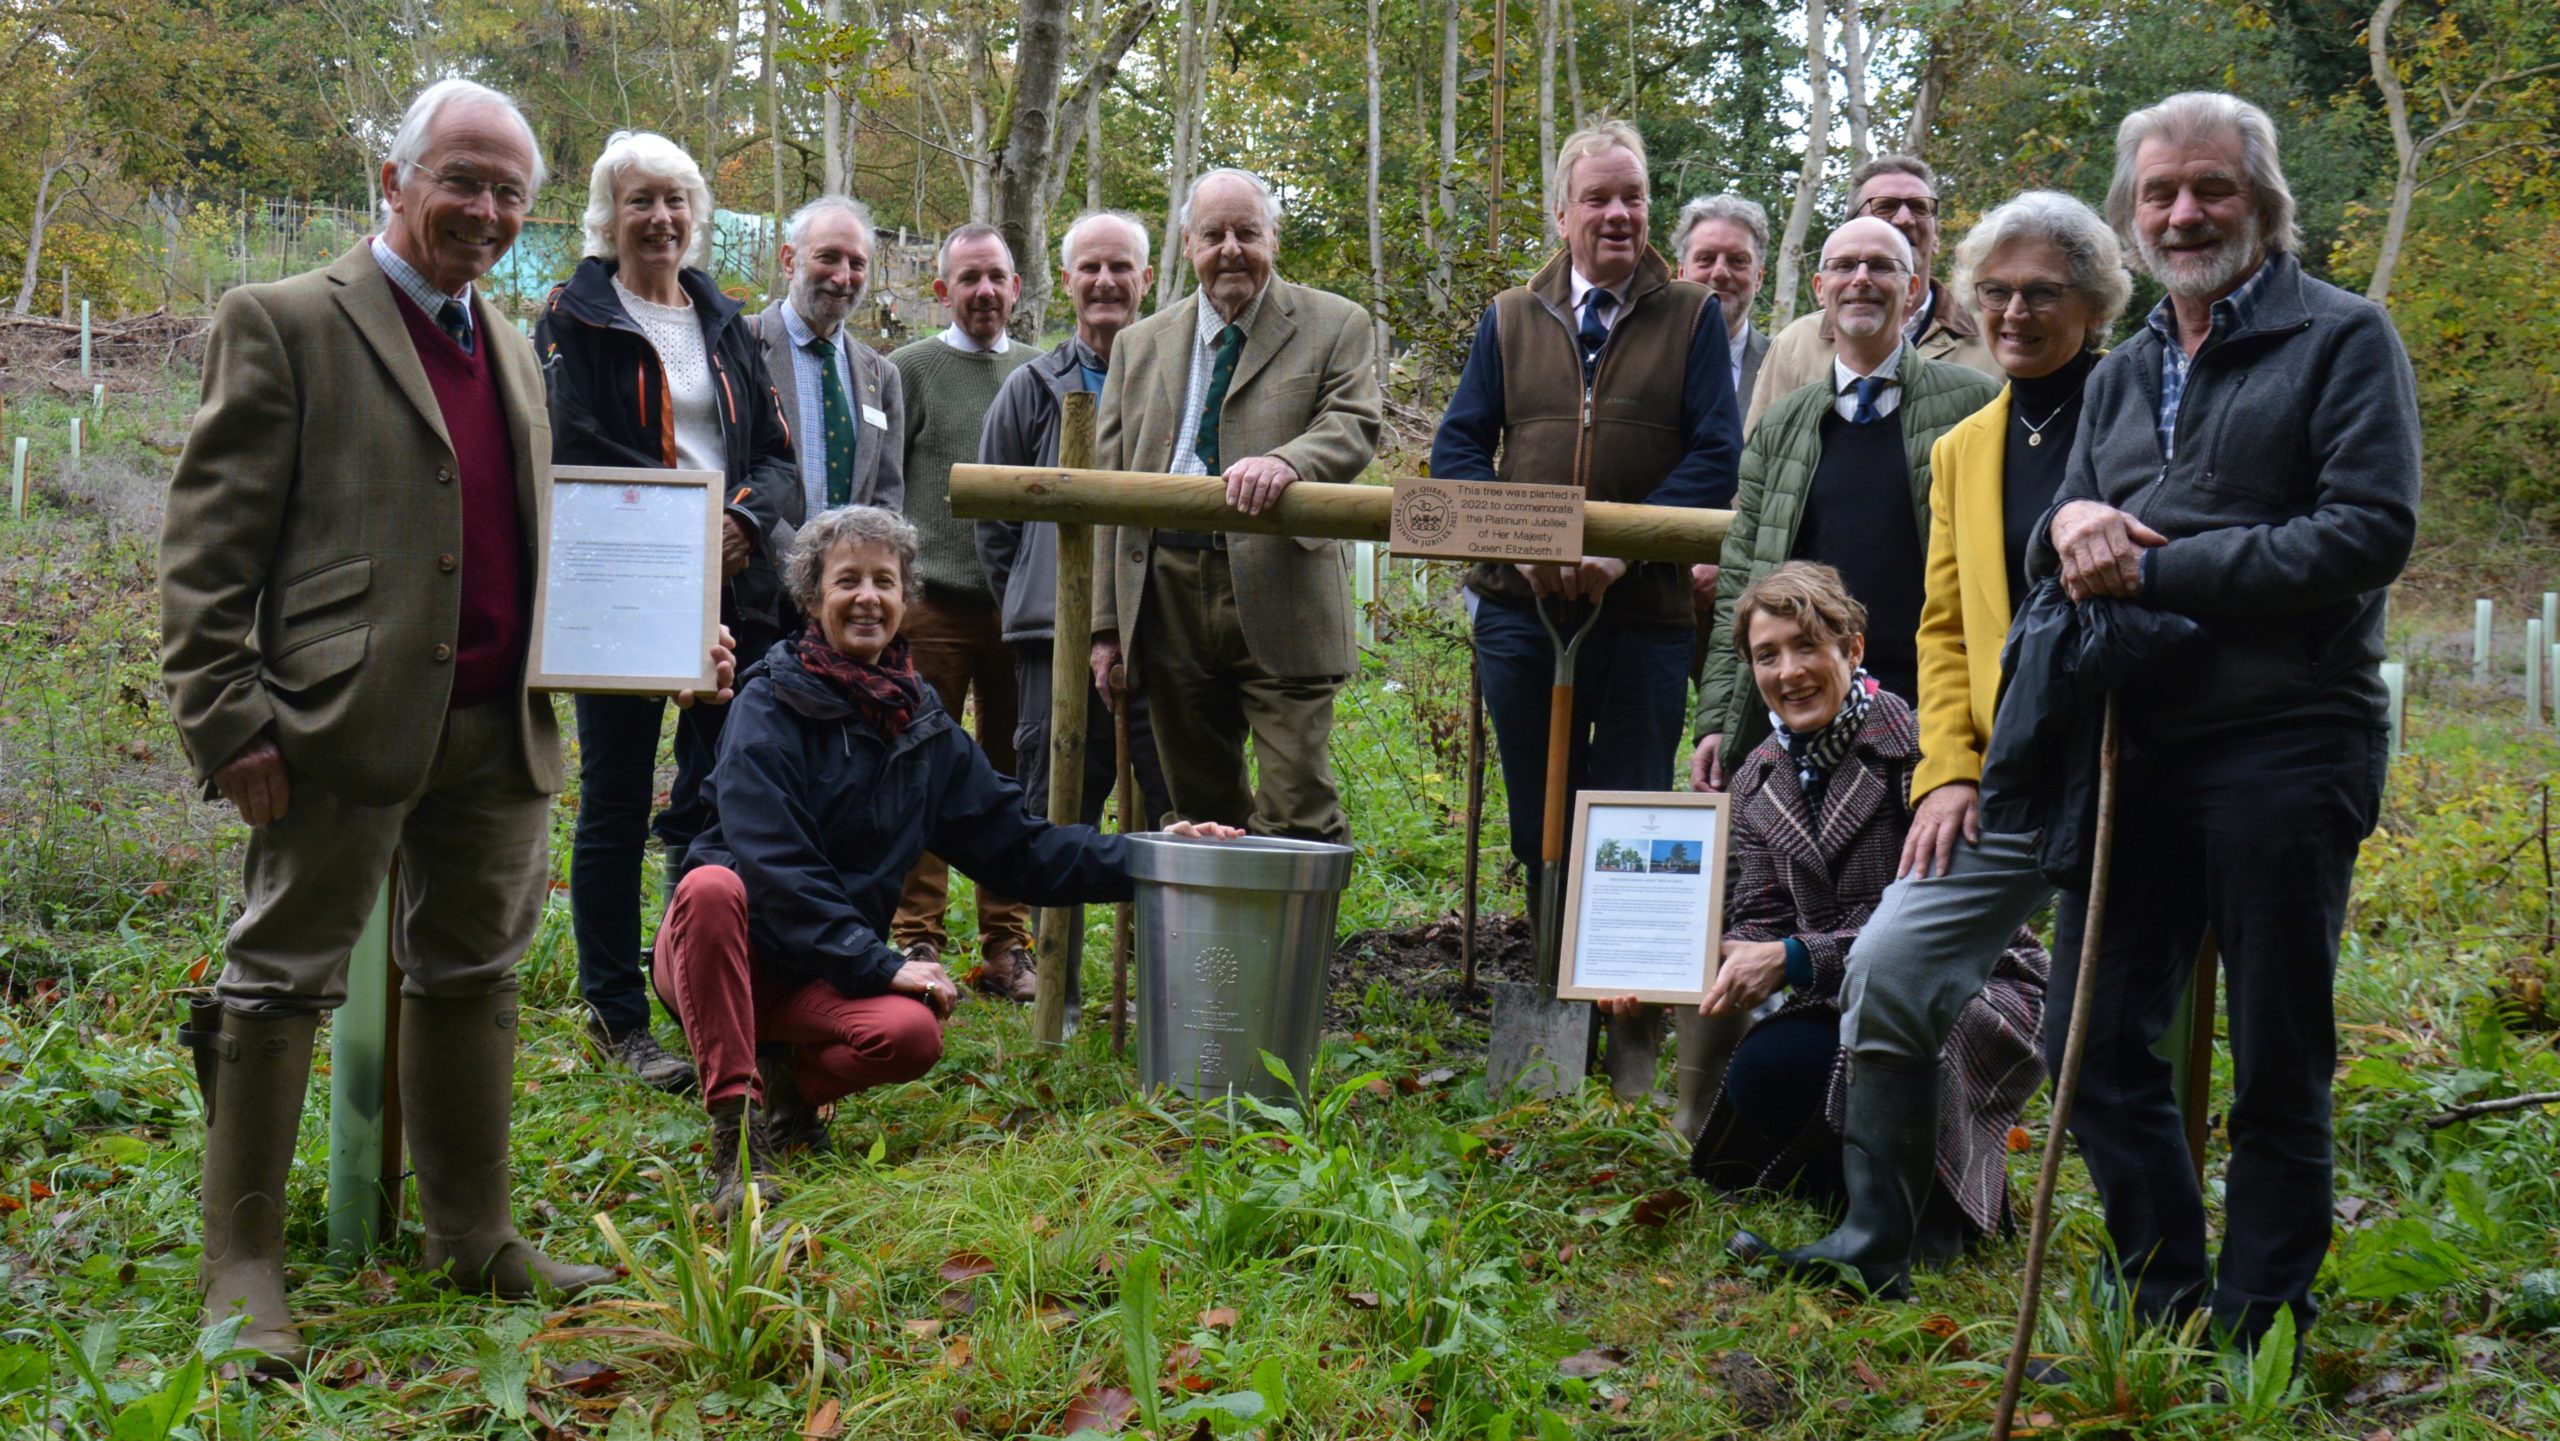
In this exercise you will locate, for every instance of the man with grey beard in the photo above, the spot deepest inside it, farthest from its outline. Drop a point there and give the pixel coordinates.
(2249, 459)
(850, 414)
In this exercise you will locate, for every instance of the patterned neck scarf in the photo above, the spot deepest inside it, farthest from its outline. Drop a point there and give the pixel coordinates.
(886, 691)
(1817, 754)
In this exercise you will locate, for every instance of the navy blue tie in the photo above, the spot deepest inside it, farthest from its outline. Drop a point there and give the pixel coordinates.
(1595, 329)
(1869, 388)
(455, 322)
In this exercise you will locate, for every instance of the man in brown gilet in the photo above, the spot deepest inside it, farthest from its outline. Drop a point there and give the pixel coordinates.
(1605, 373)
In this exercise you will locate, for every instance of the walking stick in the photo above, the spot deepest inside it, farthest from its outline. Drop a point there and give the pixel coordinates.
(1475, 817)
(1120, 925)
(2066, 1085)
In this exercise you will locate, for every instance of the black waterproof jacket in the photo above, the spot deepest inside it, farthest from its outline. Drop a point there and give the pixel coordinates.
(822, 815)
(609, 406)
(2061, 659)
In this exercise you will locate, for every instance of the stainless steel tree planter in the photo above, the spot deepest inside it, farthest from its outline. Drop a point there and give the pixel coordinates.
(1233, 941)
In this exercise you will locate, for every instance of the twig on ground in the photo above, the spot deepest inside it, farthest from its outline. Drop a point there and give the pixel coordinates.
(2469, 1109)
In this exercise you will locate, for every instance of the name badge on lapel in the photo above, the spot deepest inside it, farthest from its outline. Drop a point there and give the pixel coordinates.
(875, 417)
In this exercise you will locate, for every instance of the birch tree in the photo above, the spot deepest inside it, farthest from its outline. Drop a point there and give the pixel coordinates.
(1817, 49)
(1377, 241)
(2411, 150)
(1854, 47)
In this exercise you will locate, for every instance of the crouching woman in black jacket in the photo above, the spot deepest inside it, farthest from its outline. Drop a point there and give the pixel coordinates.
(837, 768)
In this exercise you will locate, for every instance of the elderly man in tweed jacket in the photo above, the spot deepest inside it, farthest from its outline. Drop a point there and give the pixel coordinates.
(346, 567)
(1266, 383)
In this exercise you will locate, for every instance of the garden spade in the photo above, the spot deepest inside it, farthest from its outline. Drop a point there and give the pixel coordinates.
(1542, 1044)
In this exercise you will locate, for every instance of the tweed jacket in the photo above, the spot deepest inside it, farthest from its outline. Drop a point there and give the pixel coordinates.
(1304, 391)
(1777, 471)
(1797, 355)
(880, 456)
(301, 589)
(1818, 878)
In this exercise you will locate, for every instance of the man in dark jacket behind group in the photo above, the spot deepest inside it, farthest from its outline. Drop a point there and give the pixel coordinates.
(1105, 275)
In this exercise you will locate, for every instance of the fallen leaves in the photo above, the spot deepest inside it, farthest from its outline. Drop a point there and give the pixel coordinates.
(1661, 1207)
(1218, 1318)
(1099, 1408)
(966, 1266)
(1595, 1361)
(2019, 1140)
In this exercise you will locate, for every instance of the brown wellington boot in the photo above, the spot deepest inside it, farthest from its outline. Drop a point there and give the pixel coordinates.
(1701, 1047)
(264, 1066)
(457, 1089)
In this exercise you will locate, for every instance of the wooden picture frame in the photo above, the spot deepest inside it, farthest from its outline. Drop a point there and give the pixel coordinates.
(1656, 861)
(630, 560)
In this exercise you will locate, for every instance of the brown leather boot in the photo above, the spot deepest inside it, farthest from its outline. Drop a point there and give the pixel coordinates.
(1010, 975)
(741, 1147)
(457, 1091)
(263, 1066)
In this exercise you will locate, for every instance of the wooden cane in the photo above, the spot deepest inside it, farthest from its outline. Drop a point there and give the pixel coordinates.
(1475, 819)
(1123, 921)
(2066, 1086)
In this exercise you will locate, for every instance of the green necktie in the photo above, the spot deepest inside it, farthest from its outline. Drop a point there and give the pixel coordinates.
(1221, 371)
(841, 435)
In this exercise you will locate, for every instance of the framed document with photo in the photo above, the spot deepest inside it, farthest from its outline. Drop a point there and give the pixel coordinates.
(627, 598)
(1644, 900)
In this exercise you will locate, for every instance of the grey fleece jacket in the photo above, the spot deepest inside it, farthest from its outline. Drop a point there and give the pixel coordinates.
(2291, 505)
(1021, 557)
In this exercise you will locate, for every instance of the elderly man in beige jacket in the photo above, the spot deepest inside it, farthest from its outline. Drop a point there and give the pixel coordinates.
(1265, 383)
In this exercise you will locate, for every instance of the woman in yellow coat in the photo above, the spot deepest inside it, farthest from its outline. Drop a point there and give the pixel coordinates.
(2049, 278)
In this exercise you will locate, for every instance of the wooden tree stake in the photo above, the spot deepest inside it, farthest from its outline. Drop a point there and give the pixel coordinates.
(1070, 682)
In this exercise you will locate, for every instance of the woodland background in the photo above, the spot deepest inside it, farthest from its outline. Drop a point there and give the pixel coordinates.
(153, 151)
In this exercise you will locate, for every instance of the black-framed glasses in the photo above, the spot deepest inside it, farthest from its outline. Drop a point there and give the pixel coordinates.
(1885, 207)
(467, 188)
(2040, 299)
(1844, 266)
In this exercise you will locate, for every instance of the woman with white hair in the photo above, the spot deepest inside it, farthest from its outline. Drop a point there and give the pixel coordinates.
(2049, 276)
(649, 365)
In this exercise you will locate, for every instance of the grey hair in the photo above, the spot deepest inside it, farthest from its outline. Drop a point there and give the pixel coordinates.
(805, 571)
(974, 230)
(1911, 165)
(1261, 187)
(1137, 231)
(644, 152)
(1733, 209)
(417, 126)
(798, 225)
(2205, 114)
(1585, 143)
(2092, 250)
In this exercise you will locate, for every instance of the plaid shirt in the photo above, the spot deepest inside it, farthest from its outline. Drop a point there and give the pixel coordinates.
(427, 297)
(2229, 314)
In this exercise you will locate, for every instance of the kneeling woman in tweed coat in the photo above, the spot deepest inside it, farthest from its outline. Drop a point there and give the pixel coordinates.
(1818, 814)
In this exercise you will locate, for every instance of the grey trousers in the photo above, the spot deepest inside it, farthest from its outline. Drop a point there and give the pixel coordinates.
(1931, 945)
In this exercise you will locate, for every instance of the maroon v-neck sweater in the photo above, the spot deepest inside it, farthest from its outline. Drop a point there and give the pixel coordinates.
(488, 653)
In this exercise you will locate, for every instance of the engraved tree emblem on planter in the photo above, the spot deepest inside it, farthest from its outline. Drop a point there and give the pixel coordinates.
(1215, 966)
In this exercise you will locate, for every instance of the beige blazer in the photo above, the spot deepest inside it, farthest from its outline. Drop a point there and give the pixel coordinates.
(1303, 391)
(304, 588)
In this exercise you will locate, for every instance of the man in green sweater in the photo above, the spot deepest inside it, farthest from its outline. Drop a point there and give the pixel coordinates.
(955, 627)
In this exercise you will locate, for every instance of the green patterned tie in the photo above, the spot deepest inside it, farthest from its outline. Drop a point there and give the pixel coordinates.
(841, 435)
(1221, 371)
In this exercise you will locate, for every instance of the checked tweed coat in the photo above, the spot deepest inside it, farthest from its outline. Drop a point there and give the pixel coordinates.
(1818, 879)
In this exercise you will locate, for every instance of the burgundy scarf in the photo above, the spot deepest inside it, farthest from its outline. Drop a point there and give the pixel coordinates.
(886, 692)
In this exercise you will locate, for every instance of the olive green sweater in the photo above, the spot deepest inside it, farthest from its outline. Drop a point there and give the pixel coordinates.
(948, 392)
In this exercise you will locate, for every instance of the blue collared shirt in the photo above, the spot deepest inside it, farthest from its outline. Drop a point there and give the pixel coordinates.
(2229, 315)
(423, 292)
(808, 374)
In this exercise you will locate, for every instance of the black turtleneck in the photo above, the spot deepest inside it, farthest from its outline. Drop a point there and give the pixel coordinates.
(2031, 473)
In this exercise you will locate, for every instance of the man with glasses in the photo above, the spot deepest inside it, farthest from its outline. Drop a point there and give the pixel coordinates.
(1838, 472)
(1901, 191)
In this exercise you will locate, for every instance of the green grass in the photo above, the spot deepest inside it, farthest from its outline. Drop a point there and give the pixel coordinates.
(1023, 1239)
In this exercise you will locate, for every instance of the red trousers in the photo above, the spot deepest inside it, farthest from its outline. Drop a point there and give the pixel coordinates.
(839, 1044)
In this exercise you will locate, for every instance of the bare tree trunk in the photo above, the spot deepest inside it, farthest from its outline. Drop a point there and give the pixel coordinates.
(2404, 147)
(1093, 118)
(1377, 241)
(1573, 69)
(1925, 98)
(35, 236)
(1817, 50)
(1853, 50)
(773, 134)
(1102, 67)
(1546, 102)
(1025, 152)
(1184, 102)
(976, 164)
(831, 112)
(1448, 152)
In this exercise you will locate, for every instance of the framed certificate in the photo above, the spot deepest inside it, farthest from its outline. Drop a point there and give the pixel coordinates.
(627, 598)
(1644, 900)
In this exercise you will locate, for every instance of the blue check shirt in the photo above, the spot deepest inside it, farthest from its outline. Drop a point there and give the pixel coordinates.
(2229, 315)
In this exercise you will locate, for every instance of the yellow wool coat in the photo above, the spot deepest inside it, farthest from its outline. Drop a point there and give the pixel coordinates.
(1965, 605)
